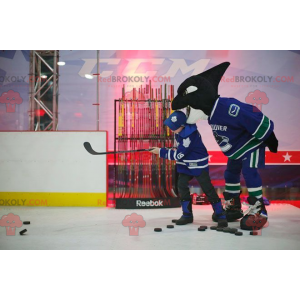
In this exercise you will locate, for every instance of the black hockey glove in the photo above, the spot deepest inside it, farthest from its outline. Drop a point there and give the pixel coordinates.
(272, 142)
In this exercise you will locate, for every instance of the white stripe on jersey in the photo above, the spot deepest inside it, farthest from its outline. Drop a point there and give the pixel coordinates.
(251, 160)
(257, 156)
(214, 108)
(196, 160)
(232, 192)
(254, 189)
(198, 167)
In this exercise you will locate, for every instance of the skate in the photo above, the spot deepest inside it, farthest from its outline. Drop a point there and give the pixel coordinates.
(256, 216)
(233, 209)
(185, 220)
(222, 222)
(187, 213)
(219, 214)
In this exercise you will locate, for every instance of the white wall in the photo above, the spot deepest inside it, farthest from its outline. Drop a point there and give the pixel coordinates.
(52, 162)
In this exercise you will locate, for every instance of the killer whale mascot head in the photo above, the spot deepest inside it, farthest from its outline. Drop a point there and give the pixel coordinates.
(199, 93)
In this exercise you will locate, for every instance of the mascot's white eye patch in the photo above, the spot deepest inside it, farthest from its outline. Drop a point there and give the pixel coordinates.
(191, 89)
(174, 119)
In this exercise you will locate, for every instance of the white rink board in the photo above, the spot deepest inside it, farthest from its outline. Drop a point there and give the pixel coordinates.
(52, 162)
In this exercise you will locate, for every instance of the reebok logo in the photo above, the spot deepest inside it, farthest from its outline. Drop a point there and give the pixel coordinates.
(149, 203)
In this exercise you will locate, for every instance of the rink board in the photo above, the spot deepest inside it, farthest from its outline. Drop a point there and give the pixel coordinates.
(52, 169)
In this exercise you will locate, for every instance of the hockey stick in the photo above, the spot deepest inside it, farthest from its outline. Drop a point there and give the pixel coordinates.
(172, 177)
(90, 150)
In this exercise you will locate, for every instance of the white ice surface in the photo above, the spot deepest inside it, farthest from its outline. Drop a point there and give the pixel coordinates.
(101, 228)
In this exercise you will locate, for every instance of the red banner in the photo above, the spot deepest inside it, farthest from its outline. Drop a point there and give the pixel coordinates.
(218, 158)
(279, 158)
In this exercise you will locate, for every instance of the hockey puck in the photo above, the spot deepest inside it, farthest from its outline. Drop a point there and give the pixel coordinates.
(233, 230)
(170, 226)
(23, 231)
(157, 229)
(226, 229)
(213, 227)
(253, 233)
(220, 229)
(26, 222)
(238, 233)
(174, 221)
(205, 227)
(201, 229)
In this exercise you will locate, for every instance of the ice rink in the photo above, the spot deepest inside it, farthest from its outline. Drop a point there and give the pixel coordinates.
(101, 228)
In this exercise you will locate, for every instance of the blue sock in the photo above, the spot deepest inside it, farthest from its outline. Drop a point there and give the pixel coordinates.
(186, 208)
(218, 209)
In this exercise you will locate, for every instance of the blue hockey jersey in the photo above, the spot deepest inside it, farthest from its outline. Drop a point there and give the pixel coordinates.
(191, 155)
(238, 128)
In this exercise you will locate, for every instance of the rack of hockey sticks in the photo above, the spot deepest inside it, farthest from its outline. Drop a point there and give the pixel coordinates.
(139, 117)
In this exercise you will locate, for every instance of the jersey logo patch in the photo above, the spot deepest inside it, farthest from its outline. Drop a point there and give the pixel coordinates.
(223, 141)
(186, 142)
(180, 155)
(174, 119)
(233, 110)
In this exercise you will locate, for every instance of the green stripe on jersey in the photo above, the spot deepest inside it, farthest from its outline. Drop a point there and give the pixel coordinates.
(256, 193)
(249, 145)
(253, 159)
(232, 188)
(262, 128)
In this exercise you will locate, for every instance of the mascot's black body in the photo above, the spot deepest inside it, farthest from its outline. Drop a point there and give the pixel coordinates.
(242, 133)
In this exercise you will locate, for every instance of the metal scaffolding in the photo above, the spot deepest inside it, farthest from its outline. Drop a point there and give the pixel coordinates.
(44, 76)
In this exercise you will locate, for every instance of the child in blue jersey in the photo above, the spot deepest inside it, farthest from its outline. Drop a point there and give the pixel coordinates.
(242, 132)
(191, 161)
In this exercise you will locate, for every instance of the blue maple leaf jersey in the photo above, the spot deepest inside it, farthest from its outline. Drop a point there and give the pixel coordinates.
(238, 128)
(191, 155)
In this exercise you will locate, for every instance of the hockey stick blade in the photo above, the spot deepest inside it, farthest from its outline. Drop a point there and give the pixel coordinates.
(89, 149)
